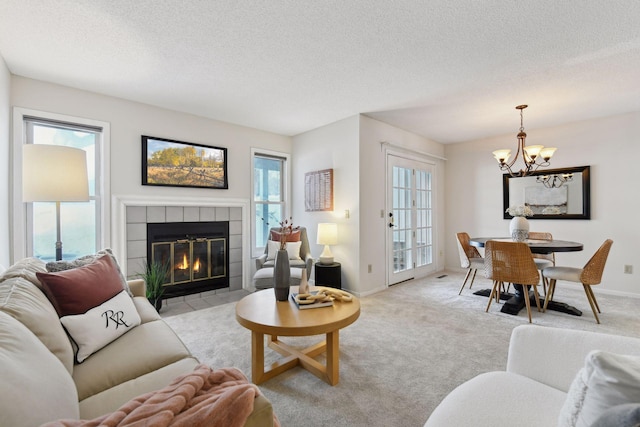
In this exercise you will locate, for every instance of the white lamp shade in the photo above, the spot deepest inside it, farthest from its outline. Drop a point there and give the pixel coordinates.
(502, 155)
(327, 233)
(547, 152)
(54, 173)
(533, 150)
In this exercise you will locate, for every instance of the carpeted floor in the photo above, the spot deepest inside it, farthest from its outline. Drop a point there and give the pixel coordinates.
(412, 344)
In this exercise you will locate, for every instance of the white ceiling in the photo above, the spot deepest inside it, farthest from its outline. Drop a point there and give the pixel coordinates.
(451, 70)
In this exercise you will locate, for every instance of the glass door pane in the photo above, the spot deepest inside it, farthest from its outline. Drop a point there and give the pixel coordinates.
(410, 211)
(402, 240)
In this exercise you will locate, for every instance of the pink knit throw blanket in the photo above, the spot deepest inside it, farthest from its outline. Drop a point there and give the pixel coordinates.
(204, 397)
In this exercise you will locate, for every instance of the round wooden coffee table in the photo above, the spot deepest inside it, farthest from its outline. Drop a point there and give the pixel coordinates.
(263, 315)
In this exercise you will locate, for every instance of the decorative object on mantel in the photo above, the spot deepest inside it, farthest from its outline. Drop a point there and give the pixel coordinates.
(555, 180)
(318, 190)
(519, 225)
(327, 235)
(533, 156)
(281, 267)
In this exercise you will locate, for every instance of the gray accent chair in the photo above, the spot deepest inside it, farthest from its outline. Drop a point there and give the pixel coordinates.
(264, 279)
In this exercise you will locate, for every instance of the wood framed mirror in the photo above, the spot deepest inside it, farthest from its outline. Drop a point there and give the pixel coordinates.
(552, 199)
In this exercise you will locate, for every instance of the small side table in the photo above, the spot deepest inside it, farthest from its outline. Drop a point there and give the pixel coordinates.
(329, 275)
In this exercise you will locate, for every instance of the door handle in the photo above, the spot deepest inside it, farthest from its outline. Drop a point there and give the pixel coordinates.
(391, 224)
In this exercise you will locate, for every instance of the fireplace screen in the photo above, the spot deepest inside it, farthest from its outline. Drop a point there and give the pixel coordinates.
(191, 260)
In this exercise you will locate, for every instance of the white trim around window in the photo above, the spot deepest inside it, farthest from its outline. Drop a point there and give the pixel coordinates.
(256, 252)
(18, 209)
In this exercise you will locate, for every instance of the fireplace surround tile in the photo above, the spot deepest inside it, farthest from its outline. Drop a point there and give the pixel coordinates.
(137, 218)
(175, 214)
(136, 231)
(222, 214)
(156, 214)
(137, 248)
(207, 214)
(235, 227)
(235, 214)
(136, 214)
(191, 214)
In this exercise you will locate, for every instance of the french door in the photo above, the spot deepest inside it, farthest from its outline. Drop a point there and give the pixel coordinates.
(409, 219)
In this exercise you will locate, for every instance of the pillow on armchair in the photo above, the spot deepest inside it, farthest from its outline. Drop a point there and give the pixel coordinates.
(293, 249)
(294, 236)
(606, 380)
(627, 415)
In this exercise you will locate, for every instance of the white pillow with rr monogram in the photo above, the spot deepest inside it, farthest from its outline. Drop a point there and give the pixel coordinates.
(102, 324)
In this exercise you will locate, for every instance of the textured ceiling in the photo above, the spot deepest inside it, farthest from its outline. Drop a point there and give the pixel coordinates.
(451, 70)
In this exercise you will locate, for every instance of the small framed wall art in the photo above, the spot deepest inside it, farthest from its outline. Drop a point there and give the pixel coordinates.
(318, 190)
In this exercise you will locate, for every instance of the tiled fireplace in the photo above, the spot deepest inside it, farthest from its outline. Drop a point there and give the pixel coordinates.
(137, 216)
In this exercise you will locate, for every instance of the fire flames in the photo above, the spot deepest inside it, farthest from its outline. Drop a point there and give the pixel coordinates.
(184, 265)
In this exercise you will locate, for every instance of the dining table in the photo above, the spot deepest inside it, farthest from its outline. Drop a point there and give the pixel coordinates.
(515, 302)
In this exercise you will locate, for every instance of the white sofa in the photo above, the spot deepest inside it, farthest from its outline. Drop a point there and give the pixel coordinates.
(541, 366)
(39, 380)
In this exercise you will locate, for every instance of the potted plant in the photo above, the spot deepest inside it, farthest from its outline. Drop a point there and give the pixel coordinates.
(155, 275)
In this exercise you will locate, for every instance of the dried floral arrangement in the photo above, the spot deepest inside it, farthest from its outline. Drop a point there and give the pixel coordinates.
(286, 228)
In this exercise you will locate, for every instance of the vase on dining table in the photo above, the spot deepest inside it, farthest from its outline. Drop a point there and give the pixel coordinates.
(281, 275)
(519, 229)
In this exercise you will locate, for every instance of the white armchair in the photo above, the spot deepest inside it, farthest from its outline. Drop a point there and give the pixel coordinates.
(541, 366)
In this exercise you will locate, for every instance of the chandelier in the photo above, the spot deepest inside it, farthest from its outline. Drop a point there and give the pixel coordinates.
(554, 181)
(533, 156)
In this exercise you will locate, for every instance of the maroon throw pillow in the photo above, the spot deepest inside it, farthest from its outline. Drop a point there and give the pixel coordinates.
(294, 236)
(78, 290)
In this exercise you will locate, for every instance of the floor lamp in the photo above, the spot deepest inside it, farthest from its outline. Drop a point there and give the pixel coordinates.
(54, 173)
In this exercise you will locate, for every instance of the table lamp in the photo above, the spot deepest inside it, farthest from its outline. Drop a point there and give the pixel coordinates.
(327, 235)
(54, 173)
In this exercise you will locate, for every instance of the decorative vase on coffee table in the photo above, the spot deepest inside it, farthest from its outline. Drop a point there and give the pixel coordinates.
(519, 228)
(281, 275)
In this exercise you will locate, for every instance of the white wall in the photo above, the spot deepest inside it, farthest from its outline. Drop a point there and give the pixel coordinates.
(334, 146)
(5, 164)
(129, 120)
(352, 148)
(611, 146)
(472, 199)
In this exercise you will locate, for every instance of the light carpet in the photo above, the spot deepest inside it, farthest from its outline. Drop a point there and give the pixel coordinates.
(412, 345)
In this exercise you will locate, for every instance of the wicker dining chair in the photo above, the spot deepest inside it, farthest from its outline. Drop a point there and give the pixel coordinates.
(511, 262)
(470, 258)
(589, 275)
(543, 260)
